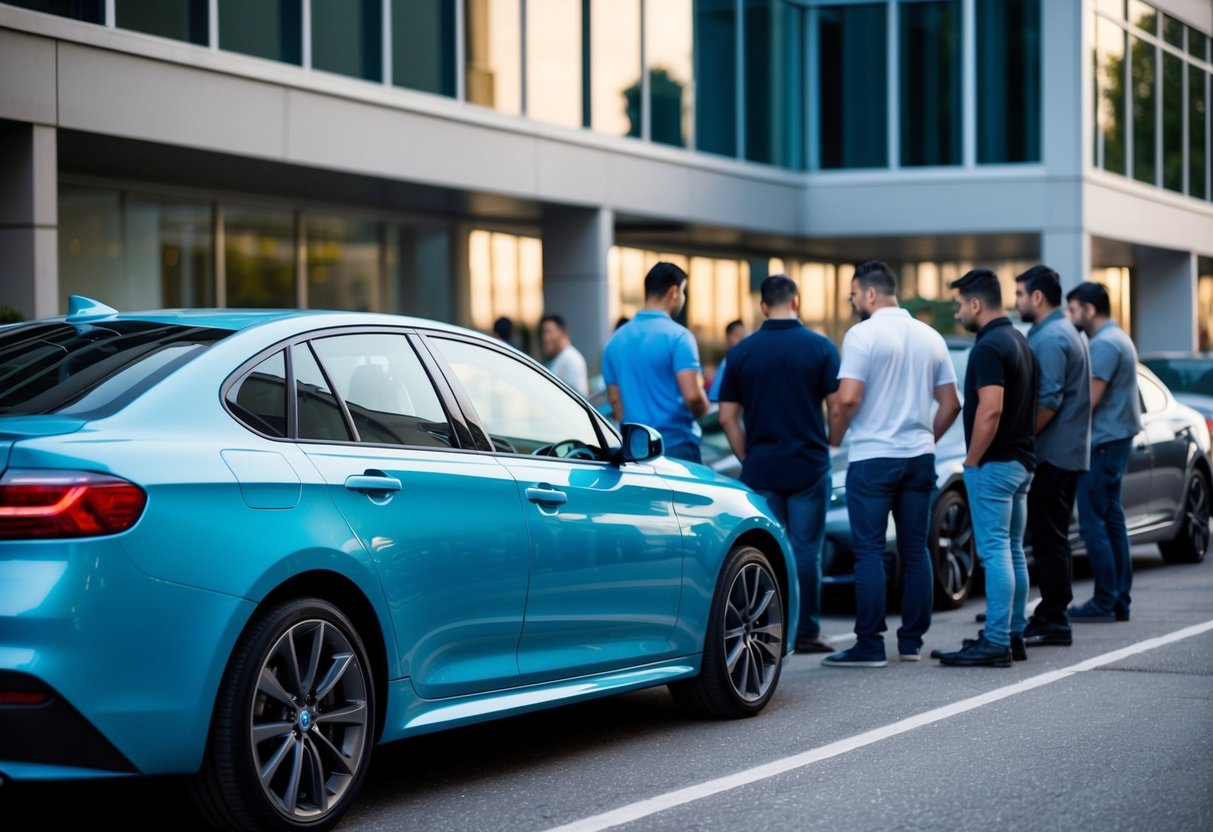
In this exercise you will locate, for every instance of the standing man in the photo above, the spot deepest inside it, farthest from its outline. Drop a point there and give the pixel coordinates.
(1000, 429)
(564, 360)
(651, 366)
(779, 378)
(1115, 420)
(1063, 447)
(734, 333)
(895, 369)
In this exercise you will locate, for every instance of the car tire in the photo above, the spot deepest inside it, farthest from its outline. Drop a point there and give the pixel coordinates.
(744, 645)
(297, 701)
(953, 551)
(1190, 545)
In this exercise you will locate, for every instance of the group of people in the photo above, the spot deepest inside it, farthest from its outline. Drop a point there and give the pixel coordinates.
(1048, 421)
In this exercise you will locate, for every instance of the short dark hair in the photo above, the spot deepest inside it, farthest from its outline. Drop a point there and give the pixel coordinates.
(778, 290)
(1041, 278)
(661, 277)
(556, 319)
(1095, 294)
(733, 325)
(876, 274)
(504, 327)
(981, 284)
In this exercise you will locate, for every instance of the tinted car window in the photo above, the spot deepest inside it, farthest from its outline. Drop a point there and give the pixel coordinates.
(524, 411)
(320, 415)
(258, 399)
(90, 368)
(1182, 375)
(386, 389)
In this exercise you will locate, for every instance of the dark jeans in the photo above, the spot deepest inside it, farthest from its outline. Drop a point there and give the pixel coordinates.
(1102, 517)
(874, 488)
(803, 516)
(687, 451)
(1050, 508)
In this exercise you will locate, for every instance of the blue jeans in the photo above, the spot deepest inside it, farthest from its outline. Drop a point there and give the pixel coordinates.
(803, 516)
(1102, 519)
(998, 504)
(687, 452)
(874, 488)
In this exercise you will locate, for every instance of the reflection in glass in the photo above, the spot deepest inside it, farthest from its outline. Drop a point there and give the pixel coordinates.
(494, 54)
(318, 412)
(553, 62)
(1198, 130)
(1143, 16)
(91, 256)
(716, 77)
(853, 86)
(423, 45)
(1110, 93)
(169, 251)
(178, 19)
(1172, 31)
(259, 257)
(1198, 44)
(1116, 8)
(419, 259)
(930, 83)
(90, 11)
(1145, 105)
(1008, 81)
(347, 37)
(1172, 122)
(263, 28)
(615, 67)
(774, 82)
(669, 25)
(343, 265)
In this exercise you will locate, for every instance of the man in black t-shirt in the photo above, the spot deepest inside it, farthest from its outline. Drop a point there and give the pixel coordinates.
(1000, 390)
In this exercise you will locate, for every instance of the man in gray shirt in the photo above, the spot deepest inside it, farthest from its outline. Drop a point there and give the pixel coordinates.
(1063, 449)
(1115, 420)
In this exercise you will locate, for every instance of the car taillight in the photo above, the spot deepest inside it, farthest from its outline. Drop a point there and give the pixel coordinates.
(49, 504)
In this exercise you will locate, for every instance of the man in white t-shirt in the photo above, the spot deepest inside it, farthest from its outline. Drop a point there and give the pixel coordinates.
(564, 360)
(895, 370)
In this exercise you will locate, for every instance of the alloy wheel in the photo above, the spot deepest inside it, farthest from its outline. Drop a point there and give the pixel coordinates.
(1197, 511)
(753, 632)
(957, 561)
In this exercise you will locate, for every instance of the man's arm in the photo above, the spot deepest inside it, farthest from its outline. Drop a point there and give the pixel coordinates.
(985, 423)
(692, 392)
(949, 407)
(1098, 388)
(730, 420)
(616, 402)
(843, 405)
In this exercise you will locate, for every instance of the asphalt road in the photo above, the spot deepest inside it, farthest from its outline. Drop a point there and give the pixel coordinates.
(1113, 733)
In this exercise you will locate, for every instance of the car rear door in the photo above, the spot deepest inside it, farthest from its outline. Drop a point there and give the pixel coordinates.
(1170, 437)
(442, 523)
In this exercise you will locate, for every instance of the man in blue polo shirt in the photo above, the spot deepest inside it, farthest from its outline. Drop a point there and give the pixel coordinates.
(651, 367)
(779, 378)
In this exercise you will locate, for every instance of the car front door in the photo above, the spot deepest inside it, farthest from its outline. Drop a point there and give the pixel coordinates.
(1170, 437)
(606, 548)
(442, 524)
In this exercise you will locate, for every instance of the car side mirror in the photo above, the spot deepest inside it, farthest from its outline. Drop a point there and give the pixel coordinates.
(640, 443)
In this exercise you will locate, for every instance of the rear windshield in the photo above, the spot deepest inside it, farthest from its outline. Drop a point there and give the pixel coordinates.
(90, 369)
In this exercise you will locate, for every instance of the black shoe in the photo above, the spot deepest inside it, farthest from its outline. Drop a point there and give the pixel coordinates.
(1121, 613)
(980, 653)
(1038, 633)
(1019, 653)
(813, 644)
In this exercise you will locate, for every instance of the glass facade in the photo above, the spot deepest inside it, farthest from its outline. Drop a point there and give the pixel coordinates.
(344, 266)
(90, 11)
(1172, 122)
(423, 45)
(1008, 81)
(774, 83)
(1198, 132)
(259, 257)
(493, 35)
(178, 19)
(613, 84)
(852, 86)
(930, 83)
(263, 28)
(554, 62)
(716, 76)
(671, 73)
(1144, 98)
(506, 279)
(1110, 95)
(347, 37)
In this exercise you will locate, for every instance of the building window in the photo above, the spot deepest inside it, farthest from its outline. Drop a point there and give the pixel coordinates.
(344, 266)
(669, 30)
(853, 86)
(1145, 103)
(506, 280)
(1198, 131)
(259, 258)
(1110, 95)
(1008, 81)
(92, 259)
(774, 82)
(178, 19)
(716, 76)
(1143, 16)
(423, 45)
(553, 62)
(347, 37)
(263, 28)
(614, 78)
(1172, 122)
(90, 11)
(170, 250)
(930, 83)
(494, 54)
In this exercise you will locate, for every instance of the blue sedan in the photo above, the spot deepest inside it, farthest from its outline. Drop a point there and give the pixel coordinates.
(250, 545)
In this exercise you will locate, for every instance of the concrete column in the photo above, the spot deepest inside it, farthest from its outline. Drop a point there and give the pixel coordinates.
(1069, 254)
(29, 219)
(460, 276)
(575, 285)
(1164, 299)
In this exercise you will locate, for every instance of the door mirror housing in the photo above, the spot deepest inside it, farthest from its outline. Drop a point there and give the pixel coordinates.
(641, 443)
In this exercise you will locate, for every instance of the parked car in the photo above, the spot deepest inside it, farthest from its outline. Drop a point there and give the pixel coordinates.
(250, 545)
(1189, 377)
(1166, 493)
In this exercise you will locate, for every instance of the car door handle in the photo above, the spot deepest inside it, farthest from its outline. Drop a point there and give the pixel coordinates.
(372, 483)
(547, 496)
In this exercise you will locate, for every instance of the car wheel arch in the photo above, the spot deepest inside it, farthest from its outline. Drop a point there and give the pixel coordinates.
(764, 542)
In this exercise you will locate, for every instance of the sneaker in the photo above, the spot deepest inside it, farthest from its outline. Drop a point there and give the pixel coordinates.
(912, 656)
(978, 653)
(812, 644)
(851, 658)
(1089, 613)
(1039, 633)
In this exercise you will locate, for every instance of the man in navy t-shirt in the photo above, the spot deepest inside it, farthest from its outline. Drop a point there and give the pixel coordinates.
(780, 377)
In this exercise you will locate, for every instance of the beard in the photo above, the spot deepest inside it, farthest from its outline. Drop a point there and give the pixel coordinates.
(970, 326)
(862, 313)
(1028, 317)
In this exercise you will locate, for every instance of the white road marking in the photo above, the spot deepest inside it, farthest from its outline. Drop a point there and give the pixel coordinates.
(662, 802)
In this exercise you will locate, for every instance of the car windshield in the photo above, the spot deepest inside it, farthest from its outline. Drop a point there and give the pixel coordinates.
(1184, 375)
(88, 369)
